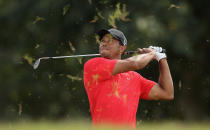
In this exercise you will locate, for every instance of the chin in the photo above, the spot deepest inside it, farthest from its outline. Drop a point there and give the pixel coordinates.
(105, 54)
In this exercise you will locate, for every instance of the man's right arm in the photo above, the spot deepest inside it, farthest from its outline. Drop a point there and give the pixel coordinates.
(135, 62)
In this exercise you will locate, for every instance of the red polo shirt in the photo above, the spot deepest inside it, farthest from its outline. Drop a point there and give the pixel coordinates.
(113, 99)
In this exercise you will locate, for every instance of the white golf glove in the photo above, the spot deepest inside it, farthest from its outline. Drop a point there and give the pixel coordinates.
(158, 51)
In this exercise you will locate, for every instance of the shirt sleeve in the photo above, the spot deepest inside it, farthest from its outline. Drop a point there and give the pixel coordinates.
(145, 87)
(99, 69)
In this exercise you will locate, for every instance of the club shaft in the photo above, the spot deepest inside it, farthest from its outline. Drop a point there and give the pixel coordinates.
(86, 55)
(134, 52)
(73, 56)
(37, 62)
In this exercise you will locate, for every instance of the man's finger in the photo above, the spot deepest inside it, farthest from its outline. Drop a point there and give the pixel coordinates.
(147, 50)
(140, 50)
(156, 48)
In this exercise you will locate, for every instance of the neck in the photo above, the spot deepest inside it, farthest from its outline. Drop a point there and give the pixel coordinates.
(118, 57)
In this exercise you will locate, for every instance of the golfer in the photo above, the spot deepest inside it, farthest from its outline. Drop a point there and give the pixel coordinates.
(112, 85)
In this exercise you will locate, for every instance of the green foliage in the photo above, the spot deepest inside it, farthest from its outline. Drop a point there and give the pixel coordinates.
(65, 9)
(37, 19)
(118, 14)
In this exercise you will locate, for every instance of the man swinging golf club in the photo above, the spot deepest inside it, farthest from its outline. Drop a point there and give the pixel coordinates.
(112, 86)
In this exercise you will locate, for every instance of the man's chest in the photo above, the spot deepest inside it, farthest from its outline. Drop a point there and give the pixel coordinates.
(120, 86)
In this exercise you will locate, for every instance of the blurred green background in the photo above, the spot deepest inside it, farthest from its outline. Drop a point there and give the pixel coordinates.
(30, 29)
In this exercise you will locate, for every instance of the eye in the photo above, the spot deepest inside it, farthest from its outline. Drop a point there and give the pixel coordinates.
(102, 40)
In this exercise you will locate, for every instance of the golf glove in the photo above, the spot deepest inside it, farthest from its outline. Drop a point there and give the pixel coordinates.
(158, 51)
(156, 48)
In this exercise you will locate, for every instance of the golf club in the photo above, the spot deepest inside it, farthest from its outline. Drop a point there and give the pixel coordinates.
(37, 62)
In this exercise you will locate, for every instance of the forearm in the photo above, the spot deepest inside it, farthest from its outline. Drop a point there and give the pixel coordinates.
(140, 61)
(133, 63)
(165, 79)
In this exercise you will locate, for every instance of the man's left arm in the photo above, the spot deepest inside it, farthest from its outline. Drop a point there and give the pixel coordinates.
(164, 90)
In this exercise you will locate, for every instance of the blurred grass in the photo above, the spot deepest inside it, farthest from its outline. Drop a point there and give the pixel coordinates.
(82, 125)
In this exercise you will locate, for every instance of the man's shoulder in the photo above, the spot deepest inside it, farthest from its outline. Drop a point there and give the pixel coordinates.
(98, 60)
(94, 60)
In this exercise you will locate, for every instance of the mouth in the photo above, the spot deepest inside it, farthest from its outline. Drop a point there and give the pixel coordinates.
(104, 52)
(104, 49)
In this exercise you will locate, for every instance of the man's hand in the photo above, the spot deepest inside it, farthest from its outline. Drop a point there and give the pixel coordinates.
(158, 51)
(146, 50)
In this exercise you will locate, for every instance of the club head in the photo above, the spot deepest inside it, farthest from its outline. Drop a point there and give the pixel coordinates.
(36, 64)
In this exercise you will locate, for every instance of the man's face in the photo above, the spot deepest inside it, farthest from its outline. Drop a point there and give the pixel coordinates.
(110, 47)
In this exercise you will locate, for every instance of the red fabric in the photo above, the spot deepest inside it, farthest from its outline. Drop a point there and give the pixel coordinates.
(113, 99)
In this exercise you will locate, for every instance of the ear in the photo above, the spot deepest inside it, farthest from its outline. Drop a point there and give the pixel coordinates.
(122, 49)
